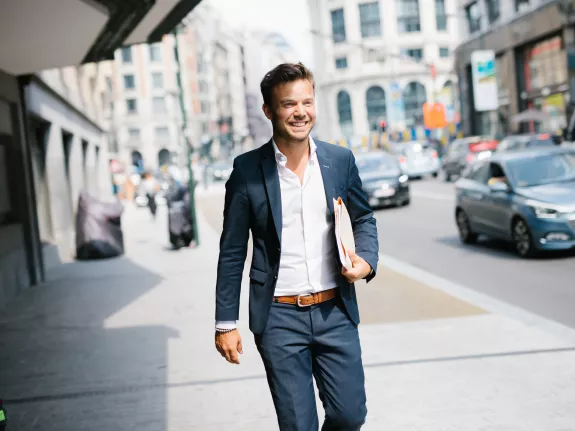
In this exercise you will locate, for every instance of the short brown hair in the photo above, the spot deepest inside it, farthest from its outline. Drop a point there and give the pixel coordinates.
(285, 72)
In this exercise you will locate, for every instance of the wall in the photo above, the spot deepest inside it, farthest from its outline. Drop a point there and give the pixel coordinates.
(20, 257)
(87, 166)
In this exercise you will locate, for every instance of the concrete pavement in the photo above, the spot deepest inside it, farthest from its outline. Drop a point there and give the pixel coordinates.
(127, 344)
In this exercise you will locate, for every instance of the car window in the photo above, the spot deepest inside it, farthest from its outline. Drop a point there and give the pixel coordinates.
(545, 169)
(479, 172)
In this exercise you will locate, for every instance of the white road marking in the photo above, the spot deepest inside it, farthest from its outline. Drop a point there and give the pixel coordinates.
(431, 195)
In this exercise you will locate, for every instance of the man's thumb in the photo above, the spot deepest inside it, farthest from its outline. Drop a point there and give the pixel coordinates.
(240, 349)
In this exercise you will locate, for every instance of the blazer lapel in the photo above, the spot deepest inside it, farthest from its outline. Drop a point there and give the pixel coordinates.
(327, 174)
(272, 182)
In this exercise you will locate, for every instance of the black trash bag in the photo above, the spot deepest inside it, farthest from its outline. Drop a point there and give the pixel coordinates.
(179, 218)
(98, 228)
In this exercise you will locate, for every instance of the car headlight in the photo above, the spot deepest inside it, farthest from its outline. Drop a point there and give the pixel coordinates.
(545, 211)
(403, 178)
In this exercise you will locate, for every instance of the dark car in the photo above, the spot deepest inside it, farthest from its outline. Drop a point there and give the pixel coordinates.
(526, 197)
(383, 181)
(463, 152)
(525, 142)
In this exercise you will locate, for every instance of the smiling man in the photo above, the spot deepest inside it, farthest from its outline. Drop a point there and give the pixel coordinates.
(303, 308)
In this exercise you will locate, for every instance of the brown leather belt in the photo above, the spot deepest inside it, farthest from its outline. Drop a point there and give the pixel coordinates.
(307, 299)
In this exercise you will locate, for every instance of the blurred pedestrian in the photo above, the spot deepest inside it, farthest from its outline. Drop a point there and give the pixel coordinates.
(151, 187)
(303, 307)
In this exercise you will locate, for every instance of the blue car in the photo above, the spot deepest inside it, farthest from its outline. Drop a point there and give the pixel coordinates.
(525, 197)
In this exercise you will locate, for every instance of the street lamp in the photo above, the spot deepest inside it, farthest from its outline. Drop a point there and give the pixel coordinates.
(189, 150)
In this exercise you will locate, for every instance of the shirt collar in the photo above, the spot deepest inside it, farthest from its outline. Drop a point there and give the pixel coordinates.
(282, 159)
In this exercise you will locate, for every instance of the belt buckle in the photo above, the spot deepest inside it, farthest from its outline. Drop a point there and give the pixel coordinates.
(299, 304)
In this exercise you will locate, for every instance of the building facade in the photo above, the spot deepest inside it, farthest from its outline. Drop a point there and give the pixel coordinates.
(531, 41)
(53, 139)
(379, 61)
(263, 51)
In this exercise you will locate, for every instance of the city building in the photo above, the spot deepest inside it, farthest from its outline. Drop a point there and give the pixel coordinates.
(262, 52)
(381, 61)
(147, 115)
(530, 41)
(53, 138)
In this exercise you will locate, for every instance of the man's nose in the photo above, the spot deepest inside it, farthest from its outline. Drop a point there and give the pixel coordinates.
(300, 112)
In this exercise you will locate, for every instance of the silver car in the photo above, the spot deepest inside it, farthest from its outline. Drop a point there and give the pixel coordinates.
(417, 158)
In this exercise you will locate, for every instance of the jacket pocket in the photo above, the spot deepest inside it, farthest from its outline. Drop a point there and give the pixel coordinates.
(258, 276)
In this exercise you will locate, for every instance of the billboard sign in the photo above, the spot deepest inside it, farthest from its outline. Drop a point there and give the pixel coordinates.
(484, 80)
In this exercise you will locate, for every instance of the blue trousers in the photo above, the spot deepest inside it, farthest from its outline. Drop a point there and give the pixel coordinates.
(321, 342)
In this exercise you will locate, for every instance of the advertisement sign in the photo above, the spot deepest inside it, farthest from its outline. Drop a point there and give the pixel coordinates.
(484, 81)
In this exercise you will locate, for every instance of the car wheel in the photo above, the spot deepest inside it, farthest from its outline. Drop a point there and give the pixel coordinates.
(466, 235)
(522, 239)
(435, 174)
(406, 202)
(447, 177)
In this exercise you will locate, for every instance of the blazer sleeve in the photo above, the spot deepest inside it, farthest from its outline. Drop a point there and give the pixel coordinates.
(233, 247)
(363, 223)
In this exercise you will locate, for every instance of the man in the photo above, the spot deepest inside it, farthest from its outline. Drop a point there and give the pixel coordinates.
(303, 309)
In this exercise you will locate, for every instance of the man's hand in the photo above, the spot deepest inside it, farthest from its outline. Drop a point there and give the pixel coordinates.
(359, 270)
(229, 344)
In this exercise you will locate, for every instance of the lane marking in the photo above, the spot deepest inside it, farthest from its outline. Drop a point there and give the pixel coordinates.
(435, 196)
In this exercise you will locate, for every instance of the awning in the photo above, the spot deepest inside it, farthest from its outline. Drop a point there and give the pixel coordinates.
(40, 34)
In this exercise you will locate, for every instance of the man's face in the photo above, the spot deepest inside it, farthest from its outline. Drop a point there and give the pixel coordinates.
(293, 110)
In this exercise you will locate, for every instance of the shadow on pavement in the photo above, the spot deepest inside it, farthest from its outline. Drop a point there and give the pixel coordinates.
(500, 248)
(62, 369)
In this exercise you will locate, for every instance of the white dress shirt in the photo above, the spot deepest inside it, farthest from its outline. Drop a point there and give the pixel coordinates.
(308, 261)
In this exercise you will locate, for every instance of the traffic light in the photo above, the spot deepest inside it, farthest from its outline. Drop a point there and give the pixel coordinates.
(382, 126)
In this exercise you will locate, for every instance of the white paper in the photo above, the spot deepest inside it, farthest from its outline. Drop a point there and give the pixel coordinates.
(343, 233)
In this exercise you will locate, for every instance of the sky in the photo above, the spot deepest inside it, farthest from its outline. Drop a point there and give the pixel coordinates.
(289, 18)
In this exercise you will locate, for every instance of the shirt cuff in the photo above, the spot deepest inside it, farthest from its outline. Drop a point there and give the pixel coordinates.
(225, 325)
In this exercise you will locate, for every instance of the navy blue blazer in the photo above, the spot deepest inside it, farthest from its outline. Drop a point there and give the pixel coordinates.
(253, 202)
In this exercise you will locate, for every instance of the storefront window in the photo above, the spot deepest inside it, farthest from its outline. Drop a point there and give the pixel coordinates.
(546, 64)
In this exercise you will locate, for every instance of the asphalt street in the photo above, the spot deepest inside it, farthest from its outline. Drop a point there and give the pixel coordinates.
(424, 234)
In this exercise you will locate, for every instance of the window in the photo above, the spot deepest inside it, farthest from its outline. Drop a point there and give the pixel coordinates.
(375, 102)
(369, 19)
(480, 173)
(134, 133)
(157, 80)
(155, 52)
(131, 106)
(440, 15)
(444, 52)
(493, 10)
(109, 84)
(205, 107)
(521, 5)
(127, 55)
(203, 87)
(344, 113)
(162, 132)
(415, 53)
(414, 97)
(408, 16)
(473, 15)
(338, 26)
(158, 105)
(341, 63)
(129, 82)
(205, 127)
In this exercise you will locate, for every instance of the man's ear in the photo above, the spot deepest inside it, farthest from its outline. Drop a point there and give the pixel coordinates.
(267, 111)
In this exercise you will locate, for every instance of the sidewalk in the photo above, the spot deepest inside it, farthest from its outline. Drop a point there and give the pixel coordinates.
(127, 344)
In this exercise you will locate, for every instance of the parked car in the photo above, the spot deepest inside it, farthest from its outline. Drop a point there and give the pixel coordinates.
(524, 142)
(526, 197)
(417, 158)
(221, 171)
(463, 152)
(382, 179)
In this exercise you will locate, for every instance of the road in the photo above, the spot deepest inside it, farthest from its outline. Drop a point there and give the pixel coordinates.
(424, 234)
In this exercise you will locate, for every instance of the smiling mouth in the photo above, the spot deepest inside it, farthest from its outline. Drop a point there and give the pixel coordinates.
(298, 124)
